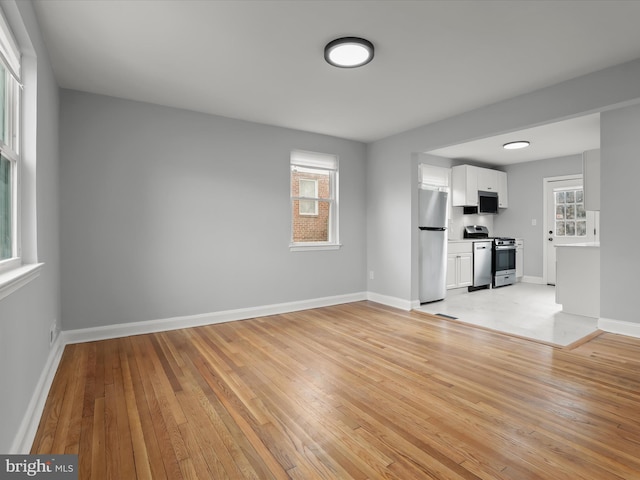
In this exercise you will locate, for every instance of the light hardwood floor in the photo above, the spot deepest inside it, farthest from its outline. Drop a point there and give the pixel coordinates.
(352, 391)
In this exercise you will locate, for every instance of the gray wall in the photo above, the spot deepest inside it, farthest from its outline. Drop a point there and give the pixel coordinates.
(25, 315)
(526, 196)
(390, 223)
(619, 229)
(170, 213)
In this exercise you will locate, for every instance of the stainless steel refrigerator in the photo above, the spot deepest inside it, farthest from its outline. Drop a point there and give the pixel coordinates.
(433, 244)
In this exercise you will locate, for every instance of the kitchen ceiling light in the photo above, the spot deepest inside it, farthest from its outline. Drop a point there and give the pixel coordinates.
(348, 52)
(516, 145)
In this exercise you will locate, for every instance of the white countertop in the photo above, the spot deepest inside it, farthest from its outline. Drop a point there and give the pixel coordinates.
(580, 245)
(465, 240)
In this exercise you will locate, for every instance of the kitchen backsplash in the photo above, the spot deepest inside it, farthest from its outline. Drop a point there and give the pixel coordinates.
(458, 221)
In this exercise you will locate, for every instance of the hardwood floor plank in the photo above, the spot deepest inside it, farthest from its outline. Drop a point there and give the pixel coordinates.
(142, 468)
(149, 439)
(49, 423)
(205, 464)
(204, 429)
(125, 457)
(236, 451)
(98, 460)
(85, 449)
(66, 432)
(354, 391)
(258, 454)
(154, 403)
(111, 440)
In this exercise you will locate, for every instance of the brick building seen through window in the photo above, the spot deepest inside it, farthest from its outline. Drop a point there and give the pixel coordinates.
(311, 217)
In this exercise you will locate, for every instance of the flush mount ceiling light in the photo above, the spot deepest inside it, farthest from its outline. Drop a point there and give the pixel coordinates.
(516, 145)
(348, 52)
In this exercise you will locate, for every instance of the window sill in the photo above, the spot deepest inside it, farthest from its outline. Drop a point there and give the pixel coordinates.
(16, 278)
(301, 247)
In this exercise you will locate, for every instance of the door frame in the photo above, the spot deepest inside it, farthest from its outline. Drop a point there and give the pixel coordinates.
(546, 184)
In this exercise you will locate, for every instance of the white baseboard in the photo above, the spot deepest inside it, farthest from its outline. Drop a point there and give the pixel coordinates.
(531, 279)
(630, 329)
(394, 302)
(166, 324)
(29, 426)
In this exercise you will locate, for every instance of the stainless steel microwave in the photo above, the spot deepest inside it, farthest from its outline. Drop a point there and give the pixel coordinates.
(487, 202)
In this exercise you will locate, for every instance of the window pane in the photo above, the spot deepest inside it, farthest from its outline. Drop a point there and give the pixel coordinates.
(308, 207)
(559, 212)
(317, 183)
(314, 228)
(571, 212)
(307, 188)
(6, 210)
(581, 229)
(580, 211)
(559, 197)
(310, 182)
(579, 196)
(570, 228)
(560, 231)
(570, 197)
(3, 105)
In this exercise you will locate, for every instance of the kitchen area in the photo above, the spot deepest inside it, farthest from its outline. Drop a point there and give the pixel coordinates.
(452, 257)
(476, 273)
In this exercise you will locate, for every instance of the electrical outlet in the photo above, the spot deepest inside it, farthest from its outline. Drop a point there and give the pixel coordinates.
(371, 275)
(534, 222)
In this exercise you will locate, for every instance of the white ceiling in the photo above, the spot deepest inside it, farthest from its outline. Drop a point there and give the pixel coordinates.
(553, 140)
(262, 61)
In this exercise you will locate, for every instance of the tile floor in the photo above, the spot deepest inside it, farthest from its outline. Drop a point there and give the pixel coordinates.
(523, 309)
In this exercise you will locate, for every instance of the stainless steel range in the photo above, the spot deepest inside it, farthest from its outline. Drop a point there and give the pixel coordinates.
(504, 261)
(503, 258)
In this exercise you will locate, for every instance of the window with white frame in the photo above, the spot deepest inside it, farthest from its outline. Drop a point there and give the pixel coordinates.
(9, 147)
(314, 200)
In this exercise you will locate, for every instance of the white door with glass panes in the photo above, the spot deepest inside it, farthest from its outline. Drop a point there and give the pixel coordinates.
(566, 220)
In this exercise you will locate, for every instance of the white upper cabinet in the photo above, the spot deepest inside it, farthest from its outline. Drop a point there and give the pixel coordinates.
(591, 179)
(487, 179)
(464, 186)
(467, 180)
(503, 192)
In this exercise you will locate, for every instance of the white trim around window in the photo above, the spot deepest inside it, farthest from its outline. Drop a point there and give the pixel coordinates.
(18, 263)
(322, 165)
(12, 280)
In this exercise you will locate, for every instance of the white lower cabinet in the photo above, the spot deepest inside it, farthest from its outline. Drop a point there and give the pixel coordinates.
(452, 271)
(519, 258)
(460, 265)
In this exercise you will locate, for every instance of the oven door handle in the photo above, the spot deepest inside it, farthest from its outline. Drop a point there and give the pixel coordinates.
(505, 247)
